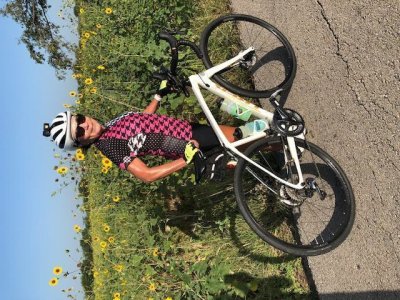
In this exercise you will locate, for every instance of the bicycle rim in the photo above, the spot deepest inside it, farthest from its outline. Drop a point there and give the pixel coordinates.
(289, 220)
(272, 66)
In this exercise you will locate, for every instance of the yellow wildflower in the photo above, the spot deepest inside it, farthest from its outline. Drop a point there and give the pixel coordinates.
(106, 228)
(103, 244)
(98, 26)
(86, 35)
(95, 274)
(96, 239)
(116, 199)
(77, 228)
(78, 101)
(155, 252)
(74, 76)
(88, 81)
(108, 10)
(111, 240)
(53, 282)
(57, 270)
(117, 296)
(62, 170)
(104, 170)
(118, 268)
(81, 10)
(80, 96)
(72, 93)
(152, 287)
(80, 156)
(67, 105)
(79, 151)
(106, 162)
(93, 90)
(168, 298)
(101, 67)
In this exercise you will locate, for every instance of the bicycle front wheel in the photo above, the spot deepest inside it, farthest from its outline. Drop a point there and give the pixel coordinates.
(305, 222)
(271, 67)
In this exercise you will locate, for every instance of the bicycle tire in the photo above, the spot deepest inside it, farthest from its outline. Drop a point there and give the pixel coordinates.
(273, 66)
(278, 223)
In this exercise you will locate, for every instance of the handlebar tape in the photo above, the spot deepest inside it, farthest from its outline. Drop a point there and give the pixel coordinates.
(193, 46)
(169, 38)
(174, 51)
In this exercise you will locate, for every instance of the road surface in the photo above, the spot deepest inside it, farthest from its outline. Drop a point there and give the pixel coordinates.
(347, 88)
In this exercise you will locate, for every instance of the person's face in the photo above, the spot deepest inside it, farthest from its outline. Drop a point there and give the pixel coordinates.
(85, 129)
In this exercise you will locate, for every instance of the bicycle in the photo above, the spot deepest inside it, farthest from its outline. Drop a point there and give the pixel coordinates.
(291, 193)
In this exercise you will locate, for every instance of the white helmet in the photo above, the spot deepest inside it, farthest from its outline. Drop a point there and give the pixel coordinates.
(60, 131)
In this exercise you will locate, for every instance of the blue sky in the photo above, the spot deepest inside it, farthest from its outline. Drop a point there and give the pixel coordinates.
(37, 228)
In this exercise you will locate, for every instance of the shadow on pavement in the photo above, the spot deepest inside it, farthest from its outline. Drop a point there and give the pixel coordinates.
(367, 295)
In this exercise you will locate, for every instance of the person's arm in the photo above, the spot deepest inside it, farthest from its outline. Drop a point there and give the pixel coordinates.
(163, 90)
(140, 170)
(152, 107)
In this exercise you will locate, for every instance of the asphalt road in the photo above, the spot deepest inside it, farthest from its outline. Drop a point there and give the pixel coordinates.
(347, 89)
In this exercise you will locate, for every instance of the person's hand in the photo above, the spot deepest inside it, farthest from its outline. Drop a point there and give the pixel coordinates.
(164, 89)
(190, 152)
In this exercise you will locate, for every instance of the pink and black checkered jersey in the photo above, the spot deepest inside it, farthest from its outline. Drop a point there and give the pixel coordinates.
(139, 134)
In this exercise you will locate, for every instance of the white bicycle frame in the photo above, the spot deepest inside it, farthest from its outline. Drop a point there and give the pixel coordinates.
(203, 80)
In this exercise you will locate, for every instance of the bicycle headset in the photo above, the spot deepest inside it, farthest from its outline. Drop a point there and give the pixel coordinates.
(60, 131)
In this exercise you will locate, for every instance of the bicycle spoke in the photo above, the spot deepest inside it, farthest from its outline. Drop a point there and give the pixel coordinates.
(297, 220)
(248, 169)
(266, 71)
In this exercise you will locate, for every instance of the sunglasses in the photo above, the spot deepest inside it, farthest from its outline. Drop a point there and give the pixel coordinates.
(80, 132)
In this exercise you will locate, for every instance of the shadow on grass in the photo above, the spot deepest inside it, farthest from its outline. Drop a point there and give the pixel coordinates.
(212, 207)
(253, 287)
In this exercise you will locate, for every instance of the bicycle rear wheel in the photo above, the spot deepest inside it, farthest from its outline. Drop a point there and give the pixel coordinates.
(271, 67)
(308, 222)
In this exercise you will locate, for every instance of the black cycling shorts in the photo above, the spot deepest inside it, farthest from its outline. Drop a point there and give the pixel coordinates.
(205, 135)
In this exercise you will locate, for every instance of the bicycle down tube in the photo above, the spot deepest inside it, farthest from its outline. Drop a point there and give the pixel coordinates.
(203, 80)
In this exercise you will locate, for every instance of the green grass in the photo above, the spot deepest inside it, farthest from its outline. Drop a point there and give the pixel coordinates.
(170, 238)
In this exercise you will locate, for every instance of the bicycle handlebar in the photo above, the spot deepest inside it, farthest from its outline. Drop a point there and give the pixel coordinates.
(171, 75)
(173, 43)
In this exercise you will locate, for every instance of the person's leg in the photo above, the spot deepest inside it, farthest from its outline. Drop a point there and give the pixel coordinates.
(207, 138)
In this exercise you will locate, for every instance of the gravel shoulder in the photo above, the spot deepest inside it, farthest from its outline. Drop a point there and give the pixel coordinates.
(347, 88)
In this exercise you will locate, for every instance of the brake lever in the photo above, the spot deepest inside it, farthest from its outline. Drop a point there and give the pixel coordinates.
(159, 76)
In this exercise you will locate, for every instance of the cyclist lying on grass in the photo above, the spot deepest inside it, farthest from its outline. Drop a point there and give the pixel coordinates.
(124, 139)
